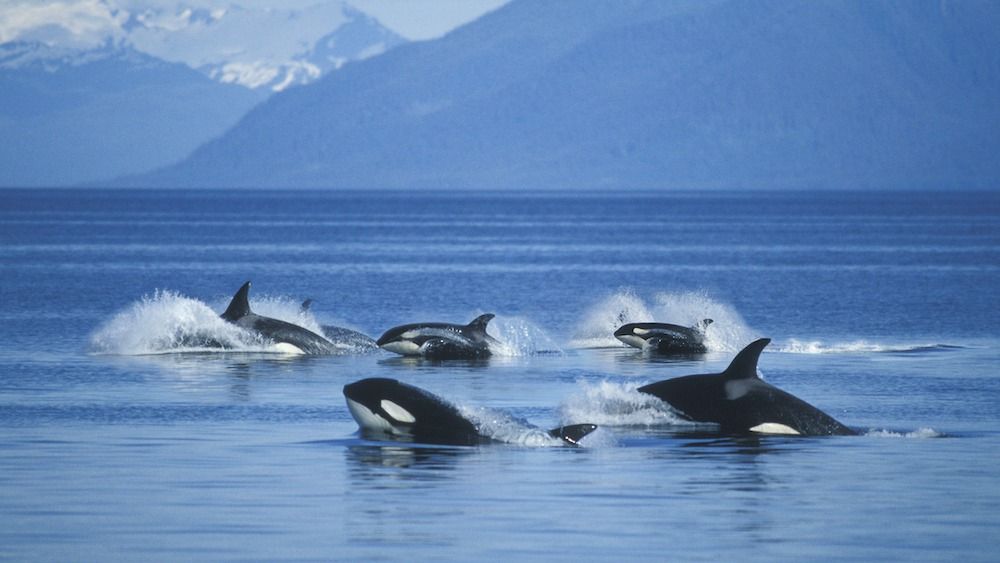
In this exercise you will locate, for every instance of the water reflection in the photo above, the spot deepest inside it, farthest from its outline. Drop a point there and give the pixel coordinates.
(745, 471)
(421, 362)
(367, 461)
(203, 371)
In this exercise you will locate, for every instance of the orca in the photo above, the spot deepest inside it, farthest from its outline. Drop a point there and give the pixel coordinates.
(387, 408)
(344, 337)
(441, 340)
(288, 337)
(742, 403)
(664, 338)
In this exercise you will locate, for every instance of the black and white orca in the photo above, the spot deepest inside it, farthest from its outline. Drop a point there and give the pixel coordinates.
(664, 338)
(387, 408)
(441, 340)
(740, 402)
(288, 337)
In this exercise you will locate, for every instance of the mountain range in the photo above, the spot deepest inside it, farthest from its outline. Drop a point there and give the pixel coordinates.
(642, 94)
(70, 116)
(272, 48)
(73, 111)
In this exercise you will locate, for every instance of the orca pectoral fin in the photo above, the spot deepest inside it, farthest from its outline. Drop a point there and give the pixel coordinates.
(573, 433)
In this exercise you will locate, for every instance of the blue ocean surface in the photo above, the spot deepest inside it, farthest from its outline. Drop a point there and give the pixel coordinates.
(121, 440)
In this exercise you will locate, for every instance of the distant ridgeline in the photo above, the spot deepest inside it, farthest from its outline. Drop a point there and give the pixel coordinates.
(643, 95)
(84, 113)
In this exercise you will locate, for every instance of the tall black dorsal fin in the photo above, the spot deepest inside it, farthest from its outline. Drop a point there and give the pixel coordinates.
(480, 322)
(744, 365)
(239, 307)
(573, 433)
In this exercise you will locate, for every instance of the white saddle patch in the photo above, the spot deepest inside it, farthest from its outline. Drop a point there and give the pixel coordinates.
(774, 428)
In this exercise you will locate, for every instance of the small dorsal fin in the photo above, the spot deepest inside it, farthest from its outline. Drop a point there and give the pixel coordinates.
(744, 365)
(305, 305)
(239, 307)
(573, 433)
(480, 322)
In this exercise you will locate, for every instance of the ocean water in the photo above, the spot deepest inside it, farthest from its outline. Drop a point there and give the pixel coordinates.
(119, 440)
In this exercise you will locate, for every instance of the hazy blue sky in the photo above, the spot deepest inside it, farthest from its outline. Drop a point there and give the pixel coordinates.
(424, 19)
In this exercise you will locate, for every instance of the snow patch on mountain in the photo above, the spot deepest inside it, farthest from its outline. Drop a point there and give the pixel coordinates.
(270, 46)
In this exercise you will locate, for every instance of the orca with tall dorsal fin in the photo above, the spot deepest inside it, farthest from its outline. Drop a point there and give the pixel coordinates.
(287, 337)
(441, 340)
(387, 408)
(665, 338)
(740, 402)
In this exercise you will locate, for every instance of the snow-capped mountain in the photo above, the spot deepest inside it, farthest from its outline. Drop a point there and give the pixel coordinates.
(644, 94)
(252, 44)
(70, 116)
(358, 38)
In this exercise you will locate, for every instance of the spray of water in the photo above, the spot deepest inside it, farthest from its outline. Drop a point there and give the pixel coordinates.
(167, 322)
(504, 427)
(617, 404)
(520, 337)
(918, 433)
(728, 333)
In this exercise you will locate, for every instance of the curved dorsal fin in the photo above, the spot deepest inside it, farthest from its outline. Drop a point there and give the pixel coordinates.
(703, 324)
(744, 365)
(480, 322)
(239, 307)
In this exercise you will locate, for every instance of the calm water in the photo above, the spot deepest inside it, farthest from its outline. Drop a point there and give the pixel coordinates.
(115, 443)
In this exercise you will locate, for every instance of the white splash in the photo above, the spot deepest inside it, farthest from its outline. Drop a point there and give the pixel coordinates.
(795, 346)
(520, 337)
(728, 333)
(503, 427)
(918, 433)
(600, 322)
(168, 322)
(617, 404)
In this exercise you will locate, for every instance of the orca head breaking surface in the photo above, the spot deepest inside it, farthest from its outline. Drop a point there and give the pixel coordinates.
(740, 402)
(387, 408)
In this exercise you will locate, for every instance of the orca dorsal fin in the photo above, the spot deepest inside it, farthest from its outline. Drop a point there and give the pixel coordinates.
(703, 324)
(573, 433)
(239, 307)
(744, 365)
(479, 323)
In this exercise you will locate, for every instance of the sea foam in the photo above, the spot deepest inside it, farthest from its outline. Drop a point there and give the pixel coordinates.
(728, 333)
